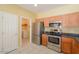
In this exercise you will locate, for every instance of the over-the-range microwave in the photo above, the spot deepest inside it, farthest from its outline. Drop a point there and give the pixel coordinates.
(55, 24)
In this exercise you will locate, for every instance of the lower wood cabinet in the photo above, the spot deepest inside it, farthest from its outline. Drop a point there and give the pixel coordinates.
(66, 45)
(44, 39)
(69, 45)
(75, 47)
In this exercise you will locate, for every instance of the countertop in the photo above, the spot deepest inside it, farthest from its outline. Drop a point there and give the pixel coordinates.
(72, 35)
(68, 35)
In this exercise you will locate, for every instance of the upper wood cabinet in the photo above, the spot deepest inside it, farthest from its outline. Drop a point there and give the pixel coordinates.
(46, 22)
(74, 20)
(55, 18)
(70, 20)
(65, 21)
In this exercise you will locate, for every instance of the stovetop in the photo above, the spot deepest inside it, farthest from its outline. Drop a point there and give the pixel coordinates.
(54, 33)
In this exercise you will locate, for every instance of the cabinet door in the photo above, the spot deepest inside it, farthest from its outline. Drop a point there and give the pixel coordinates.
(74, 20)
(44, 39)
(67, 45)
(46, 22)
(75, 47)
(71, 20)
(1, 32)
(65, 21)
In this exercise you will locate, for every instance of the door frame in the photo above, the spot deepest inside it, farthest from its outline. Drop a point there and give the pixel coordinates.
(20, 30)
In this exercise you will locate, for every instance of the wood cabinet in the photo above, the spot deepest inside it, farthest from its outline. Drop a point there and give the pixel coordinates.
(46, 22)
(66, 45)
(74, 20)
(70, 20)
(75, 47)
(44, 39)
(70, 45)
(65, 21)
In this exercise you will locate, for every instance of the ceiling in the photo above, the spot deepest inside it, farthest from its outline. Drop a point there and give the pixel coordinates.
(40, 7)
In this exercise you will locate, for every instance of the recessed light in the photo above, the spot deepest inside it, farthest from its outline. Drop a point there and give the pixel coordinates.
(35, 5)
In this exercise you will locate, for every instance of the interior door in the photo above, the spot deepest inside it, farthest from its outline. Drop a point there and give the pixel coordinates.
(6, 40)
(14, 32)
(10, 30)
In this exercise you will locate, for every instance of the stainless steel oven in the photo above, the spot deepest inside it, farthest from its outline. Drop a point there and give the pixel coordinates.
(54, 39)
(54, 42)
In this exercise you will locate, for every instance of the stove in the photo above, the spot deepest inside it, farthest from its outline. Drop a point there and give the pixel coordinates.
(54, 42)
(54, 36)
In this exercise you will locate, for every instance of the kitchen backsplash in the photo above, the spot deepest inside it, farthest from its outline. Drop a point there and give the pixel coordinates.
(66, 30)
(48, 29)
(71, 30)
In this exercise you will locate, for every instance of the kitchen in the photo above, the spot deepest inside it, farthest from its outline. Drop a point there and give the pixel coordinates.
(38, 30)
(41, 29)
(60, 33)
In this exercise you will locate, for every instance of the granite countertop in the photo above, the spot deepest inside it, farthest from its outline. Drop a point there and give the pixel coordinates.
(52, 33)
(73, 35)
(70, 35)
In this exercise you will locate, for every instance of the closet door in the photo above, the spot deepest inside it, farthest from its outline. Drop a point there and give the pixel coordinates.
(14, 31)
(1, 32)
(10, 29)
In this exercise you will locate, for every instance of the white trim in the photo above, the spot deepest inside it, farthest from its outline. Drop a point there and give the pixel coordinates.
(30, 32)
(20, 31)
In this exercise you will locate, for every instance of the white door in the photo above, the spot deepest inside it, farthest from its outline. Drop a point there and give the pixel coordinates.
(1, 32)
(14, 32)
(6, 40)
(10, 30)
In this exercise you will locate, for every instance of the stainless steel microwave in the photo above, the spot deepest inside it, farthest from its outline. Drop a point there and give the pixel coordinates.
(54, 25)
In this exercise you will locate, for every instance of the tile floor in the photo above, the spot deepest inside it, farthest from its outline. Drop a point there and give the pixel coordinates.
(34, 49)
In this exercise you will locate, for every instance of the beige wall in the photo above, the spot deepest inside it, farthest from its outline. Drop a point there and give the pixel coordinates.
(15, 9)
(60, 11)
(71, 30)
